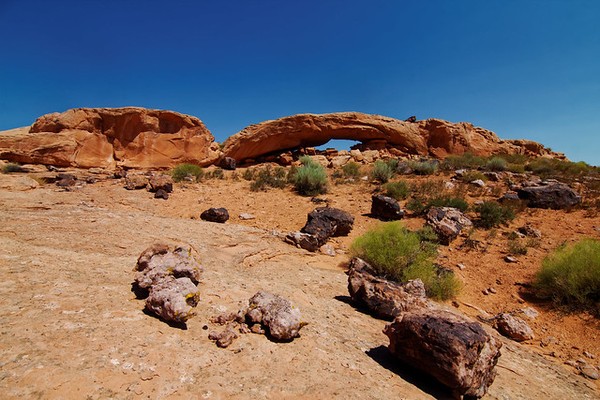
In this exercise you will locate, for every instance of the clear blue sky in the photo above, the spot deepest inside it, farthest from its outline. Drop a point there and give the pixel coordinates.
(524, 69)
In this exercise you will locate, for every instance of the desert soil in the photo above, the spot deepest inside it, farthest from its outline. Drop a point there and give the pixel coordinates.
(71, 327)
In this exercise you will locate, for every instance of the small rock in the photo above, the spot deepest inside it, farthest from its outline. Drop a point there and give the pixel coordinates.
(510, 259)
(461, 266)
(492, 290)
(530, 231)
(571, 363)
(589, 371)
(513, 327)
(135, 181)
(246, 216)
(328, 250)
(277, 315)
(160, 182)
(589, 355)
(219, 215)
(161, 194)
(223, 339)
(447, 222)
(64, 180)
(478, 182)
(304, 241)
(485, 292)
(530, 312)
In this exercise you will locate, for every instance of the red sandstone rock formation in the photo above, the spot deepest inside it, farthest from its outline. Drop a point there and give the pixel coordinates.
(432, 137)
(106, 137)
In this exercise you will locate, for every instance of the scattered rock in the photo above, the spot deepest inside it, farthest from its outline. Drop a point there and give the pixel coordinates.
(510, 259)
(553, 195)
(530, 231)
(228, 163)
(160, 182)
(447, 222)
(161, 194)
(277, 315)
(530, 312)
(385, 208)
(339, 161)
(513, 327)
(219, 215)
(589, 355)
(223, 339)
(303, 240)
(384, 299)
(325, 222)
(65, 180)
(135, 181)
(167, 275)
(246, 216)
(478, 182)
(589, 371)
(328, 250)
(455, 350)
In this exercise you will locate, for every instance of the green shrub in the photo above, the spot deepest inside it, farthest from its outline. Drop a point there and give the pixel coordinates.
(393, 163)
(12, 167)
(249, 174)
(519, 159)
(516, 168)
(492, 214)
(419, 205)
(471, 176)
(516, 247)
(398, 190)
(464, 161)
(424, 167)
(550, 167)
(351, 170)
(310, 179)
(269, 178)
(496, 164)
(381, 172)
(398, 254)
(571, 275)
(187, 172)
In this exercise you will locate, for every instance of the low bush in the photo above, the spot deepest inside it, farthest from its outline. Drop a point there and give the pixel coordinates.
(249, 174)
(382, 172)
(311, 178)
(190, 172)
(471, 176)
(398, 254)
(497, 164)
(397, 190)
(571, 275)
(12, 167)
(464, 161)
(351, 170)
(516, 247)
(554, 168)
(492, 214)
(424, 167)
(269, 178)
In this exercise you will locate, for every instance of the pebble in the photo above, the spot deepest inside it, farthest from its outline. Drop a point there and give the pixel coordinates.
(589, 371)
(461, 266)
(510, 259)
(246, 216)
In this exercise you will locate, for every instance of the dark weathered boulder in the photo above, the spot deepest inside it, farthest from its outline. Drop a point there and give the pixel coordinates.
(553, 195)
(219, 215)
(325, 222)
(161, 194)
(455, 350)
(65, 180)
(512, 327)
(383, 299)
(228, 163)
(385, 208)
(447, 222)
(275, 313)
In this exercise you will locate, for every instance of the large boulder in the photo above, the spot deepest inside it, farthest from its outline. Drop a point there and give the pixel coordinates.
(219, 215)
(553, 195)
(385, 208)
(455, 350)
(432, 137)
(275, 313)
(447, 223)
(167, 275)
(382, 298)
(325, 222)
(106, 137)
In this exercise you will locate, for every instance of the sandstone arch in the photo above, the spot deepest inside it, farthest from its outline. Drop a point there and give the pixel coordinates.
(432, 137)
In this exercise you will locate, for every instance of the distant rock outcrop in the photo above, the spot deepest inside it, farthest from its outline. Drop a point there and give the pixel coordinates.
(431, 137)
(106, 137)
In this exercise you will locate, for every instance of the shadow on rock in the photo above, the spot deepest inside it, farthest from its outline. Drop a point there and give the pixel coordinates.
(426, 383)
(179, 325)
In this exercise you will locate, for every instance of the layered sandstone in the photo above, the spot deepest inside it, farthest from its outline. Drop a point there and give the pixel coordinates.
(131, 137)
(431, 137)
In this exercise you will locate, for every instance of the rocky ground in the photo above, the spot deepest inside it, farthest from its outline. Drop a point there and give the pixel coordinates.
(72, 328)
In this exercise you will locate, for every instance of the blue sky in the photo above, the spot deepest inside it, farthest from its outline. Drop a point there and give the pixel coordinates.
(524, 69)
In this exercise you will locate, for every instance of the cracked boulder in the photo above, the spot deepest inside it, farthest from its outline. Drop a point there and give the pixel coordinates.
(385, 208)
(453, 349)
(552, 195)
(325, 222)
